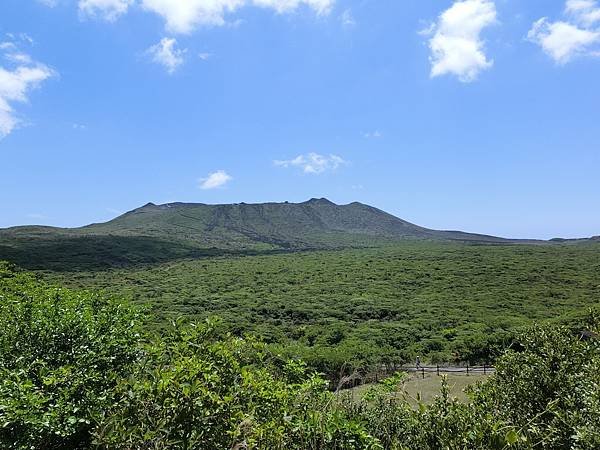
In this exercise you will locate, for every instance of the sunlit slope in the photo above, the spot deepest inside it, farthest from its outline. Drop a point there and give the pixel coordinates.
(155, 233)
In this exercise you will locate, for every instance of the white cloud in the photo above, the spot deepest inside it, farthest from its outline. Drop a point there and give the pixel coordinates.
(585, 12)
(7, 46)
(204, 56)
(19, 58)
(109, 10)
(49, 3)
(167, 55)
(23, 38)
(373, 134)
(183, 16)
(16, 81)
(456, 45)
(215, 180)
(284, 6)
(347, 18)
(312, 163)
(563, 40)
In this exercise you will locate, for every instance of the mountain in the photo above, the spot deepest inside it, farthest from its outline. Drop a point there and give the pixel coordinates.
(154, 233)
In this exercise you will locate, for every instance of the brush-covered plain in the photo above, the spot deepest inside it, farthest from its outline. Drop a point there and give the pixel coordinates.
(358, 307)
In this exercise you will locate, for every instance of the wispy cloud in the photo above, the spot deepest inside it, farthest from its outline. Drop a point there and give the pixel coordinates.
(185, 16)
(19, 75)
(109, 10)
(49, 3)
(167, 54)
(577, 35)
(585, 12)
(204, 56)
(373, 134)
(455, 39)
(215, 180)
(312, 163)
(347, 18)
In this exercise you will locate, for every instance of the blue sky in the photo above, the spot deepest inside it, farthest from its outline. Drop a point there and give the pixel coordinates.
(477, 115)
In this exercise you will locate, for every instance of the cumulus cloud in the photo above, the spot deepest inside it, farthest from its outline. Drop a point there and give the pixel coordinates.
(19, 75)
(109, 10)
(167, 55)
(455, 39)
(215, 180)
(577, 35)
(183, 16)
(312, 163)
(585, 12)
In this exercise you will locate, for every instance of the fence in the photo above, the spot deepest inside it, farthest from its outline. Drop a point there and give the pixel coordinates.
(469, 370)
(357, 379)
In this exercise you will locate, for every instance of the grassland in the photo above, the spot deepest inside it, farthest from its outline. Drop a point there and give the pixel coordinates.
(418, 389)
(443, 301)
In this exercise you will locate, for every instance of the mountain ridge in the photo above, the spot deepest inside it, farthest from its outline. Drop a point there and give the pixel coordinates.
(403, 228)
(317, 213)
(157, 232)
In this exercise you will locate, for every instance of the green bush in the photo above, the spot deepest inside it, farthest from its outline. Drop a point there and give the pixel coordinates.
(61, 356)
(196, 389)
(548, 389)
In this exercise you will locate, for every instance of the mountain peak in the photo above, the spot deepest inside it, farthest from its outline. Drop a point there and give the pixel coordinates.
(322, 201)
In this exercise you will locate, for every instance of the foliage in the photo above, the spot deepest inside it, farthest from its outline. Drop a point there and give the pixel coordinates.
(349, 309)
(77, 373)
(61, 356)
(196, 389)
(549, 389)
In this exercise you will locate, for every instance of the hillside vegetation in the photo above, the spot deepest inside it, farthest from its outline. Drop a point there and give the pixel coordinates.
(361, 307)
(78, 371)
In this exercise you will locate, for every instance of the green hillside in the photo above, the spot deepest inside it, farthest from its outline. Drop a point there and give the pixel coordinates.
(158, 233)
(445, 301)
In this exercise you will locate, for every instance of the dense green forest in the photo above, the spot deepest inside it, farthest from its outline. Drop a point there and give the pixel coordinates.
(447, 302)
(81, 370)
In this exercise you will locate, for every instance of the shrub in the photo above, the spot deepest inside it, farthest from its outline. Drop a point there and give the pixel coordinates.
(548, 389)
(61, 356)
(199, 390)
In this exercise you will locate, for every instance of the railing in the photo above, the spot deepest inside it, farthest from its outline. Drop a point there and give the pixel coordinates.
(469, 370)
(357, 379)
